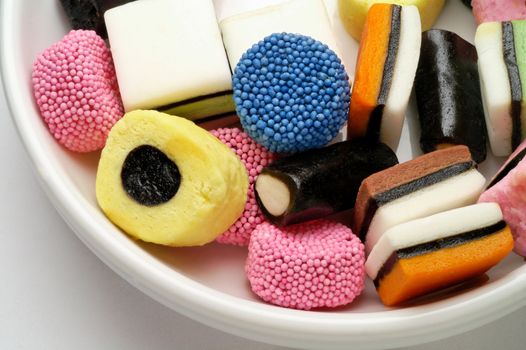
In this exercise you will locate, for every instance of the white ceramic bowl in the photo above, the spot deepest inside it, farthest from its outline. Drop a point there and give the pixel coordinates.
(208, 284)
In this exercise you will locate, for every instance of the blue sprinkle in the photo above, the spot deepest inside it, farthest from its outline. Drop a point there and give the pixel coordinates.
(291, 93)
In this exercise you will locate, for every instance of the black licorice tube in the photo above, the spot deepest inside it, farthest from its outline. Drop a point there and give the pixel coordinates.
(448, 95)
(319, 182)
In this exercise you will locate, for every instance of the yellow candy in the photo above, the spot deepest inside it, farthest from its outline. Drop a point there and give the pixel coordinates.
(193, 208)
(354, 12)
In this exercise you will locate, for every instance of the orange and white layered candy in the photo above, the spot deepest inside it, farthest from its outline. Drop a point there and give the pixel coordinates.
(438, 251)
(385, 71)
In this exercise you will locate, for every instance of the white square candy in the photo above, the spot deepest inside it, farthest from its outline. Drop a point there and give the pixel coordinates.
(169, 56)
(306, 17)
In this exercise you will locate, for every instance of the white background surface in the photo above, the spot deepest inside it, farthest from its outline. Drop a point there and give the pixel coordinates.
(55, 294)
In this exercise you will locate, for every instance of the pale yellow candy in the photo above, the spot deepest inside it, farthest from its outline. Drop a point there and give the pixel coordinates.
(210, 198)
(354, 12)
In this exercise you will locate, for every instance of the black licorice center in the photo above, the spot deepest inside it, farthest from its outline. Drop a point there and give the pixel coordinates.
(510, 59)
(404, 189)
(429, 247)
(375, 119)
(149, 176)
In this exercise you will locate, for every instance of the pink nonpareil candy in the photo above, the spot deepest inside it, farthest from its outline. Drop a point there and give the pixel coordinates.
(508, 188)
(255, 157)
(76, 91)
(498, 10)
(305, 266)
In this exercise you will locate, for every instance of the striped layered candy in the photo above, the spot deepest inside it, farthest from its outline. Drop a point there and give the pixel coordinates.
(169, 56)
(501, 48)
(432, 183)
(385, 70)
(435, 252)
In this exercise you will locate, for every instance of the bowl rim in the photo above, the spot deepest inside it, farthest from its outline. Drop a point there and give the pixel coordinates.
(257, 321)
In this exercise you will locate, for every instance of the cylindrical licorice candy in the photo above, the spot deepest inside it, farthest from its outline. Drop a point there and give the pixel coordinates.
(319, 182)
(164, 180)
(448, 97)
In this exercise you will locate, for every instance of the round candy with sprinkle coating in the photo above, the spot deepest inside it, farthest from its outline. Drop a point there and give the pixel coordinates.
(306, 266)
(254, 157)
(76, 90)
(291, 93)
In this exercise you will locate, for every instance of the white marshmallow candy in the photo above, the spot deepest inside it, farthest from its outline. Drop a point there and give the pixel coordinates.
(169, 56)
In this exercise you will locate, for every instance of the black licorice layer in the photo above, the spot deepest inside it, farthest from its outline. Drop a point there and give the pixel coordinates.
(89, 14)
(198, 99)
(326, 180)
(510, 59)
(82, 14)
(402, 190)
(467, 3)
(448, 96)
(429, 247)
(375, 119)
(508, 166)
(149, 177)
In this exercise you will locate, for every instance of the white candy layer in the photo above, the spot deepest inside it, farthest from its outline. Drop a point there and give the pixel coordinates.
(458, 191)
(495, 87)
(167, 51)
(403, 77)
(306, 17)
(429, 229)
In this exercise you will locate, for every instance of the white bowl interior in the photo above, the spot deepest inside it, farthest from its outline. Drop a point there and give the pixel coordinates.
(208, 283)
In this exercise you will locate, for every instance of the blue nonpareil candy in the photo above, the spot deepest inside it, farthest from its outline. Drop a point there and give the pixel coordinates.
(291, 93)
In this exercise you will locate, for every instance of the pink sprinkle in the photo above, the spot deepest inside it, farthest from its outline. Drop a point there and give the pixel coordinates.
(239, 233)
(510, 193)
(498, 10)
(309, 265)
(78, 122)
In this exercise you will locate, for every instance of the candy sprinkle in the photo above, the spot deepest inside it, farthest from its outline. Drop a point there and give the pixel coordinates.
(291, 93)
(255, 157)
(76, 91)
(311, 265)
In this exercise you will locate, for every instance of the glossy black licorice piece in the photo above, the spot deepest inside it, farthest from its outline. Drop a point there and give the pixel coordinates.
(323, 181)
(149, 176)
(83, 14)
(467, 3)
(448, 94)
(89, 14)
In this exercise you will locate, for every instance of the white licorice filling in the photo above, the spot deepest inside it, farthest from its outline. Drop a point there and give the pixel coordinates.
(403, 77)
(495, 87)
(273, 193)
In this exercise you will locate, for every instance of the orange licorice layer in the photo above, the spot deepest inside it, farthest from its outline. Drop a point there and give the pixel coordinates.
(369, 68)
(416, 276)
